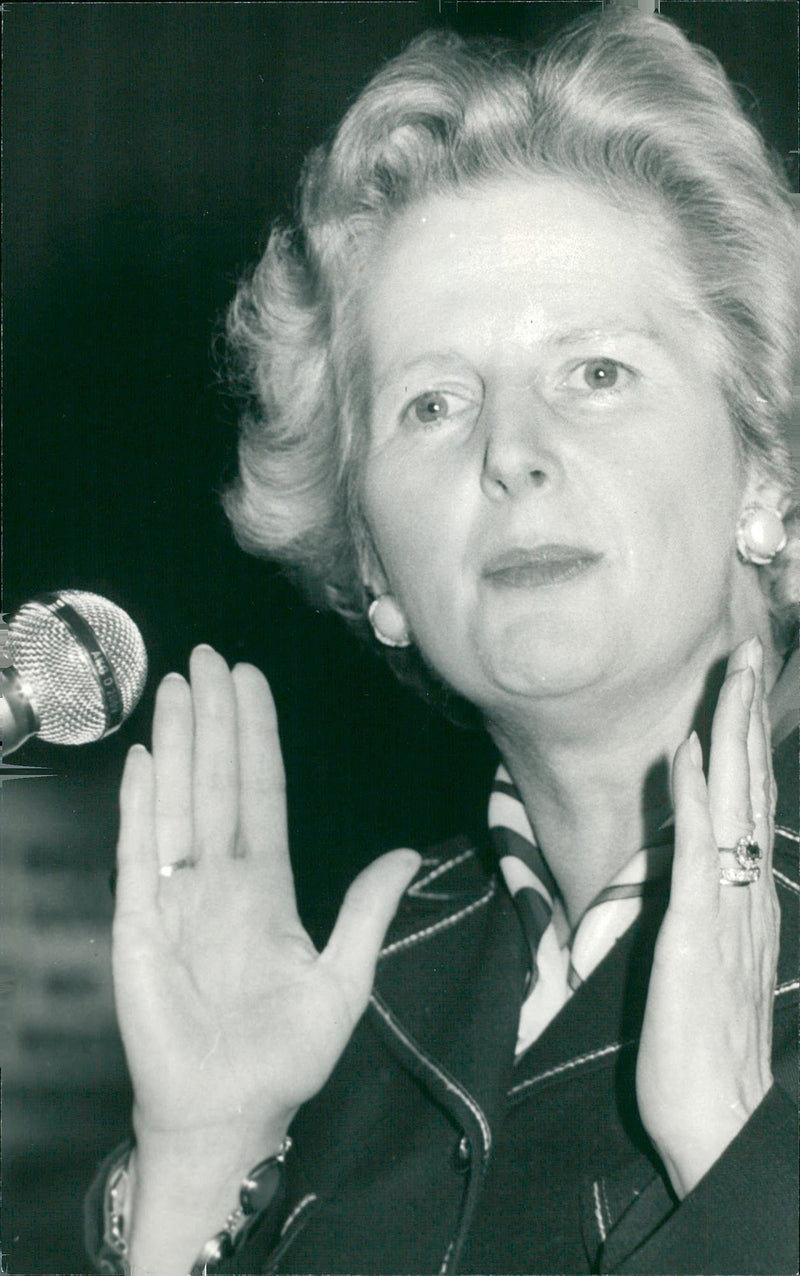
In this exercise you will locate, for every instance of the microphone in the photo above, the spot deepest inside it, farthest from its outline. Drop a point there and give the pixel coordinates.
(78, 667)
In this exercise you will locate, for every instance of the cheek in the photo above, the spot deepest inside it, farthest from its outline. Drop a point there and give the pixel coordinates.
(687, 501)
(401, 516)
(419, 524)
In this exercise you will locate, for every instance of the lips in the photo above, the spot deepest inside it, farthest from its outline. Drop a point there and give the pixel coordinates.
(521, 568)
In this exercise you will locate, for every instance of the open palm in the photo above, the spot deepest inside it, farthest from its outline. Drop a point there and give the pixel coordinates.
(228, 1014)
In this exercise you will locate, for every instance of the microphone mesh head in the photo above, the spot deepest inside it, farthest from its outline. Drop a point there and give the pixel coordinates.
(58, 674)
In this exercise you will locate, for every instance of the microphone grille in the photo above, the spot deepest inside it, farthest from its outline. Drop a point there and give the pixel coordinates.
(49, 651)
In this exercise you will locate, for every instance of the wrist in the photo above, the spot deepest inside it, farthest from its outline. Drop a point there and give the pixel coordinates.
(219, 1151)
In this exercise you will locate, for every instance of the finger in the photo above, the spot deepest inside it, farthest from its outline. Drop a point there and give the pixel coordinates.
(773, 787)
(262, 784)
(740, 658)
(137, 863)
(729, 765)
(173, 735)
(369, 906)
(215, 788)
(694, 889)
(762, 782)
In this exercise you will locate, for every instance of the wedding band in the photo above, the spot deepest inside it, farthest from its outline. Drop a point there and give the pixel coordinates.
(167, 870)
(739, 876)
(747, 853)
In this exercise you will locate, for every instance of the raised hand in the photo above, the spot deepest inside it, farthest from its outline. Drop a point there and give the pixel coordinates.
(704, 1057)
(229, 1016)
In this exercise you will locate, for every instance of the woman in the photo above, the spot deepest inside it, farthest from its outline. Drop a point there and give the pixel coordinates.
(520, 385)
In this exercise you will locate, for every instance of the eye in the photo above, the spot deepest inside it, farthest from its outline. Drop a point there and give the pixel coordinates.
(434, 407)
(430, 407)
(601, 374)
(590, 377)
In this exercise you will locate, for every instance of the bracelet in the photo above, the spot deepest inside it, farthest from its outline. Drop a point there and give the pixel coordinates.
(257, 1190)
(116, 1199)
(255, 1194)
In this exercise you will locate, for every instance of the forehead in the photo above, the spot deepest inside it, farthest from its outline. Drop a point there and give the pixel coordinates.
(524, 261)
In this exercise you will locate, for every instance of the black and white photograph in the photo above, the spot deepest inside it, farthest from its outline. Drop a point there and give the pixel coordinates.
(399, 674)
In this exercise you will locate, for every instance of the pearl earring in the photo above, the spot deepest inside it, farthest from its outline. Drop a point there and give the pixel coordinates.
(388, 622)
(760, 534)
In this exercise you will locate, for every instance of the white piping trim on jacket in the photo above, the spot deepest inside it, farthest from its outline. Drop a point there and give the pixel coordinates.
(614, 1048)
(780, 831)
(446, 1260)
(449, 1082)
(598, 1210)
(427, 931)
(577, 1062)
(786, 881)
(441, 868)
(298, 1209)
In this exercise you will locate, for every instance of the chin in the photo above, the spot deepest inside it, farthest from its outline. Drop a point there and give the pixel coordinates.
(534, 660)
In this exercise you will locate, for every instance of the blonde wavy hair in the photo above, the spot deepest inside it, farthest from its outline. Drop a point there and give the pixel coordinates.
(621, 102)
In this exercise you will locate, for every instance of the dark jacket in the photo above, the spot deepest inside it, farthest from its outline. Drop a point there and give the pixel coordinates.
(430, 1150)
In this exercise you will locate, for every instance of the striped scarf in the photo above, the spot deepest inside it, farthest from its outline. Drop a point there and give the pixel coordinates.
(561, 961)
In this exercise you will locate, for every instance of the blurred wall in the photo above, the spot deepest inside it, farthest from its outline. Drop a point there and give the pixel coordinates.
(148, 147)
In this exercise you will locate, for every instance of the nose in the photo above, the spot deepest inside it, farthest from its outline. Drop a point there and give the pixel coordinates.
(519, 455)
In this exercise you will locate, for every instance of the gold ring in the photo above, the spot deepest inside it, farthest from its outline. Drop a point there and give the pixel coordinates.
(167, 870)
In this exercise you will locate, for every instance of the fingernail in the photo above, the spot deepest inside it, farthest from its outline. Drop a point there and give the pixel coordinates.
(695, 751)
(173, 677)
(738, 658)
(202, 651)
(755, 655)
(747, 687)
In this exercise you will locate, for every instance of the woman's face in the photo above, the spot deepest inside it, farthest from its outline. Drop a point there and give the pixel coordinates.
(552, 482)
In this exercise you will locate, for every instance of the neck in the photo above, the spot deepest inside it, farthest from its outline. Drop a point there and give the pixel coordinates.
(594, 774)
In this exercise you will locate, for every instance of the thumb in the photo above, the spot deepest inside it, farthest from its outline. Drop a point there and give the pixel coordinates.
(368, 907)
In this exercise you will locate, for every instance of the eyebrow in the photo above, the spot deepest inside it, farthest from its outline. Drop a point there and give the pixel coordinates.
(394, 373)
(574, 335)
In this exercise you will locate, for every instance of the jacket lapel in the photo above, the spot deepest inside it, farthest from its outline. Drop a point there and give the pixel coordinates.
(450, 981)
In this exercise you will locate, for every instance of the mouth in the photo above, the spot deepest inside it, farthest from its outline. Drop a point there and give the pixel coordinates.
(521, 568)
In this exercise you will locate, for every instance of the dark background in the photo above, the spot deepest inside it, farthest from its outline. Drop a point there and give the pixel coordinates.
(148, 148)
